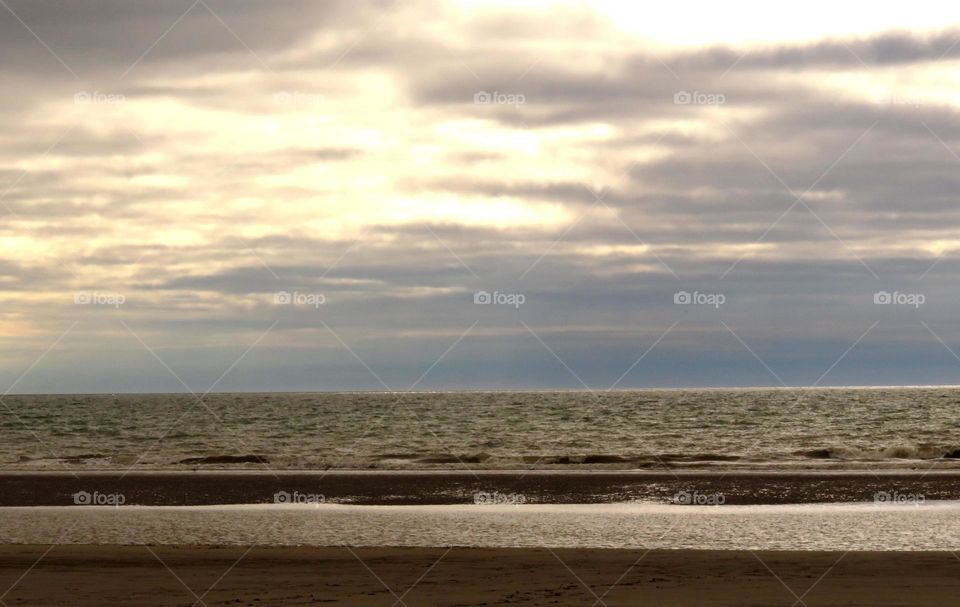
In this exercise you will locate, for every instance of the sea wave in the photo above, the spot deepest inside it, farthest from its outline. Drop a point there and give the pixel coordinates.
(834, 429)
(923, 452)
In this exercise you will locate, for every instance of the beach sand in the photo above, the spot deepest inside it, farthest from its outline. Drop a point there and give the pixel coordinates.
(183, 575)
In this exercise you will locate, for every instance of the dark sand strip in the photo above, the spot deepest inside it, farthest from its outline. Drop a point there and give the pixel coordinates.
(131, 575)
(420, 488)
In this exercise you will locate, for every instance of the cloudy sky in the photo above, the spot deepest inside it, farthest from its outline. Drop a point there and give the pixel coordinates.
(378, 194)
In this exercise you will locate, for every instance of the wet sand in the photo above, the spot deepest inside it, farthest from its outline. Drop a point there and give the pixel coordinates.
(164, 575)
(456, 487)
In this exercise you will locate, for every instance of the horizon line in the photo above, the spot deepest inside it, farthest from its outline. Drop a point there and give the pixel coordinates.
(498, 390)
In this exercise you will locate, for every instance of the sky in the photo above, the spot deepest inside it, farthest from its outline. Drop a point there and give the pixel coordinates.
(213, 195)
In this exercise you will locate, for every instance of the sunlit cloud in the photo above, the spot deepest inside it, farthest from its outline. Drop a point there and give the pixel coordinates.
(397, 159)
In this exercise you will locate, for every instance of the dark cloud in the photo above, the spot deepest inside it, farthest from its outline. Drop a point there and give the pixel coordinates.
(99, 37)
(889, 49)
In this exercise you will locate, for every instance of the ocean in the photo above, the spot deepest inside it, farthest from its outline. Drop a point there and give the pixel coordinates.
(765, 429)
(826, 469)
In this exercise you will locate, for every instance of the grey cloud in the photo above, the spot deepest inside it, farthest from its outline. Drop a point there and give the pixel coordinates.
(94, 36)
(893, 48)
(400, 295)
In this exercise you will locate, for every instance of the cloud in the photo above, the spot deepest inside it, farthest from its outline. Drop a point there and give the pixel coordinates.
(96, 37)
(340, 148)
(888, 49)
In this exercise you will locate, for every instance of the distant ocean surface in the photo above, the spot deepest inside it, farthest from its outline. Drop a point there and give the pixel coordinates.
(690, 429)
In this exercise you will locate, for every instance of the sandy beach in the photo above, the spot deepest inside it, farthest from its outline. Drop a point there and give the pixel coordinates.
(164, 575)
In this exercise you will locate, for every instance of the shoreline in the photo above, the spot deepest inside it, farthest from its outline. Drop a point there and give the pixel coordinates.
(223, 487)
(667, 472)
(177, 575)
(807, 527)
